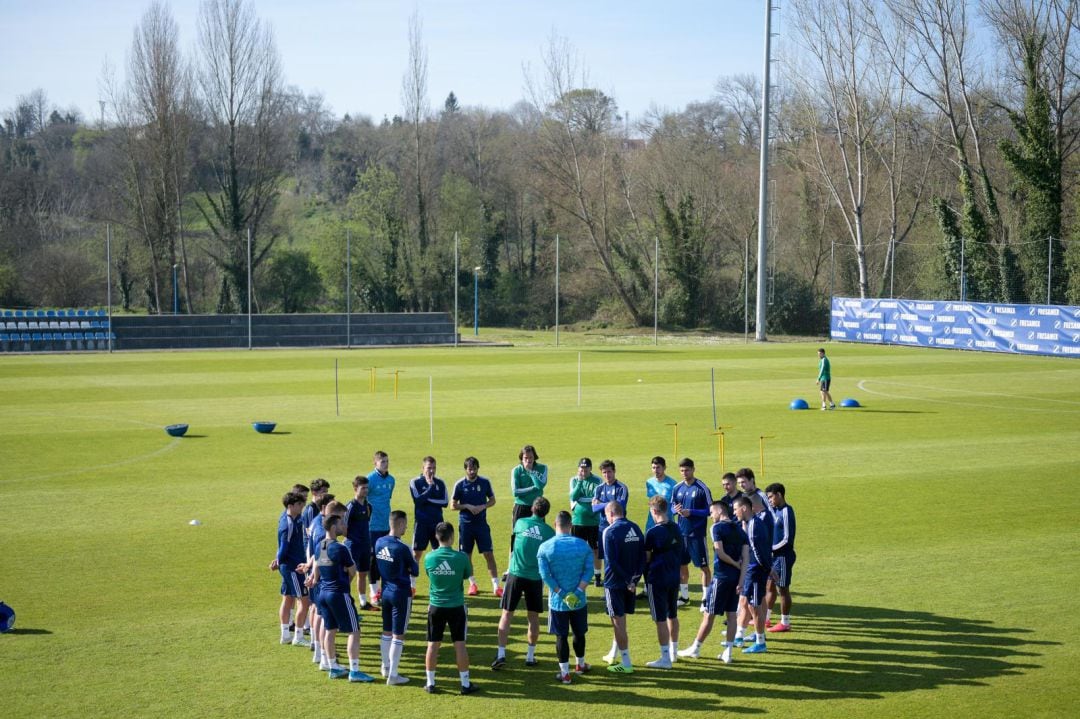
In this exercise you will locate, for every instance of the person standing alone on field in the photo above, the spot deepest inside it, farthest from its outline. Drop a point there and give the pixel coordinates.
(824, 380)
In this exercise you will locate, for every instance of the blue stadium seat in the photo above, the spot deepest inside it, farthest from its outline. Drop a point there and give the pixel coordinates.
(3, 337)
(18, 313)
(25, 337)
(8, 313)
(50, 313)
(100, 336)
(78, 336)
(68, 337)
(102, 313)
(35, 337)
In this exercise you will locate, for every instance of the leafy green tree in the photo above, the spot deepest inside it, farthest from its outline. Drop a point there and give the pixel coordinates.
(682, 244)
(293, 281)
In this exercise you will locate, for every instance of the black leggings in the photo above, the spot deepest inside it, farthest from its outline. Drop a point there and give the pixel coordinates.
(562, 647)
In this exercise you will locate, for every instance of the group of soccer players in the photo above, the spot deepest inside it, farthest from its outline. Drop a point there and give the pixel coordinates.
(752, 536)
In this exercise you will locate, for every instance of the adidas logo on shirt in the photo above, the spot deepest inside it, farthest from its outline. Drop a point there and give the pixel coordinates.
(532, 533)
(384, 554)
(443, 570)
(631, 537)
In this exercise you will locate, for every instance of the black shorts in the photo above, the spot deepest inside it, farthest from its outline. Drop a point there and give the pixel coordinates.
(520, 511)
(562, 623)
(591, 534)
(424, 536)
(825, 384)
(439, 618)
(619, 602)
(532, 589)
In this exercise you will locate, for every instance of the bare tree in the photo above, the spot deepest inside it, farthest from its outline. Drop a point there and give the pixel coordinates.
(240, 90)
(414, 96)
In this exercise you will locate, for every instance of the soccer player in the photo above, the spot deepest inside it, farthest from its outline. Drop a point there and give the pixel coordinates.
(333, 570)
(658, 485)
(471, 497)
(757, 571)
(429, 497)
(731, 491)
(523, 579)
(380, 492)
(288, 562)
(691, 499)
(565, 562)
(824, 380)
(729, 571)
(527, 482)
(398, 567)
(308, 520)
(358, 536)
(608, 491)
(783, 549)
(586, 525)
(446, 569)
(748, 485)
(327, 506)
(663, 553)
(624, 561)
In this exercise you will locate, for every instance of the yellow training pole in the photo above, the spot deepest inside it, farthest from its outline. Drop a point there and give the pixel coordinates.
(676, 426)
(761, 453)
(720, 444)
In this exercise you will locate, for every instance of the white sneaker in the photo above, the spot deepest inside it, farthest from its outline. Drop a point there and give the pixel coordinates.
(396, 680)
(286, 639)
(690, 653)
(609, 658)
(659, 664)
(725, 657)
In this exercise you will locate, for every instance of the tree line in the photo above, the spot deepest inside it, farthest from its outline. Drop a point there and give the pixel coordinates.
(923, 149)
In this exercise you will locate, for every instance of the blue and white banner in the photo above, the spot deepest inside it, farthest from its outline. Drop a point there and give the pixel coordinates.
(1023, 329)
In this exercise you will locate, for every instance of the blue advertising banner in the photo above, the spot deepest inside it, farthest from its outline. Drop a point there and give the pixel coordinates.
(1022, 329)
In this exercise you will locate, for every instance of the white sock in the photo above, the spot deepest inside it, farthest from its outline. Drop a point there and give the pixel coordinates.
(464, 676)
(384, 649)
(502, 651)
(430, 677)
(768, 614)
(580, 661)
(412, 582)
(785, 619)
(759, 639)
(494, 582)
(396, 647)
(354, 665)
(625, 656)
(684, 591)
(285, 633)
(530, 654)
(665, 652)
(614, 648)
(564, 667)
(673, 649)
(318, 652)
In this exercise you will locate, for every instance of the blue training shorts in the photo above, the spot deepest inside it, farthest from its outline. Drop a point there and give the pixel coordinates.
(754, 588)
(663, 601)
(694, 551)
(424, 537)
(474, 533)
(619, 601)
(292, 584)
(360, 553)
(396, 608)
(338, 611)
(723, 595)
(782, 564)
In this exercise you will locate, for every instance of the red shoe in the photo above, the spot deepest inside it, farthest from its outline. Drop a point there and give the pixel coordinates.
(768, 623)
(498, 591)
(779, 628)
(563, 678)
(582, 668)
(378, 596)
(473, 590)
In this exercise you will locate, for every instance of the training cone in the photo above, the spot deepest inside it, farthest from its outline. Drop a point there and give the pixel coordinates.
(849, 402)
(799, 403)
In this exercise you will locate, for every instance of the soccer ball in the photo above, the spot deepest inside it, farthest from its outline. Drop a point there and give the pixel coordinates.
(7, 618)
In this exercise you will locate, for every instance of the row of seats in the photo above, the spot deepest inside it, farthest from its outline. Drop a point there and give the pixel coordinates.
(55, 325)
(55, 336)
(54, 313)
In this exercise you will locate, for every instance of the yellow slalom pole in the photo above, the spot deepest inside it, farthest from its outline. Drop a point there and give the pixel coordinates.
(396, 373)
(676, 426)
(761, 453)
(719, 433)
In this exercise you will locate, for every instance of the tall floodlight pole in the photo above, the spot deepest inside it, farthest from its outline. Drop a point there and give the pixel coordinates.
(763, 190)
(656, 293)
(476, 301)
(108, 269)
(456, 261)
(249, 284)
(175, 291)
(348, 290)
(556, 290)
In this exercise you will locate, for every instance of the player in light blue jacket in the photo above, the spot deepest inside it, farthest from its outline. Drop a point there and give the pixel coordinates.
(566, 566)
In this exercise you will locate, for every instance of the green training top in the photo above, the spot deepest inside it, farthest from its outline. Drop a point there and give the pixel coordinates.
(526, 485)
(529, 534)
(824, 372)
(447, 570)
(581, 496)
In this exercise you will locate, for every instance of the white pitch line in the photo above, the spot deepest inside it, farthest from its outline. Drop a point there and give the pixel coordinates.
(1012, 407)
(70, 472)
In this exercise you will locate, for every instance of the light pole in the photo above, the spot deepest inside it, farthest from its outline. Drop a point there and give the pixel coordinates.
(476, 301)
(175, 292)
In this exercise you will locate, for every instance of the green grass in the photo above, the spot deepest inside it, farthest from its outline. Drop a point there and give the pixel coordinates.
(937, 548)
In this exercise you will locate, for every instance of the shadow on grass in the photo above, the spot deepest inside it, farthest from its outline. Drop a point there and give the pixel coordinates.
(833, 652)
(862, 410)
(195, 436)
(28, 631)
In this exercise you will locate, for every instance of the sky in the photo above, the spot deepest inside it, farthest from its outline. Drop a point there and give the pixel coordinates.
(644, 53)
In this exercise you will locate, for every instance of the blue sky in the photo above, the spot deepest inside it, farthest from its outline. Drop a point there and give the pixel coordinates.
(643, 52)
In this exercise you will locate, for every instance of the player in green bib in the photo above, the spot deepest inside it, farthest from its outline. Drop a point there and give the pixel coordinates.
(523, 579)
(586, 525)
(447, 570)
(824, 380)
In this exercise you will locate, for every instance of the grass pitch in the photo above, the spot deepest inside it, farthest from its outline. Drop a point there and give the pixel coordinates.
(936, 525)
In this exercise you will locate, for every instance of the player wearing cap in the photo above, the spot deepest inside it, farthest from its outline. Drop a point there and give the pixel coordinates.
(471, 497)
(586, 525)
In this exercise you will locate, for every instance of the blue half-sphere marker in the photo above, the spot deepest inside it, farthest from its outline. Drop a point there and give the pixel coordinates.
(177, 430)
(264, 427)
(849, 402)
(7, 618)
(799, 403)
